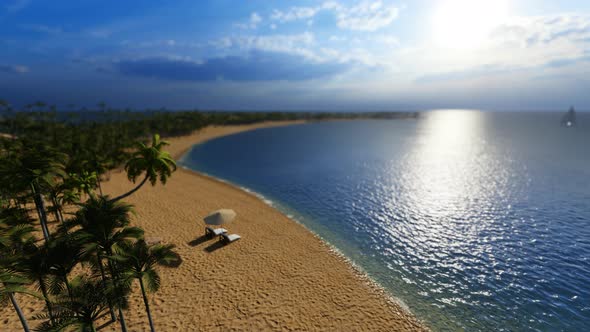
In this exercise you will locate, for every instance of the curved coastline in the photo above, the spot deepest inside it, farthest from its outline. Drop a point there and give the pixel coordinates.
(359, 272)
(279, 276)
(357, 269)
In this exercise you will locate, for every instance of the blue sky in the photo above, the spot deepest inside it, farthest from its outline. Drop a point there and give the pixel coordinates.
(297, 55)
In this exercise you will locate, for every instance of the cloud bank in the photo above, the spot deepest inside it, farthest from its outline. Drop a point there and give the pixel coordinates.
(256, 66)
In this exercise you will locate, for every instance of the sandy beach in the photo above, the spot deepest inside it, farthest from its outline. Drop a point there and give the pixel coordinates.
(278, 277)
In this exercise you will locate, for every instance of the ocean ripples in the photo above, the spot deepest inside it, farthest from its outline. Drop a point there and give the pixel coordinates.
(463, 215)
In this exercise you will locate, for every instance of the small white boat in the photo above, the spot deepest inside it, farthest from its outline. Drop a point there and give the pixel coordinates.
(569, 119)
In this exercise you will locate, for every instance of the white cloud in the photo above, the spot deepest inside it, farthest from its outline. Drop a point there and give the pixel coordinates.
(364, 16)
(370, 51)
(222, 43)
(255, 19)
(386, 40)
(531, 31)
(335, 38)
(303, 44)
(542, 45)
(253, 22)
(293, 44)
(294, 13)
(539, 40)
(161, 43)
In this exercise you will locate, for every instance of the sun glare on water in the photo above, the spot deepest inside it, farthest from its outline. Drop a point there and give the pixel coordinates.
(464, 24)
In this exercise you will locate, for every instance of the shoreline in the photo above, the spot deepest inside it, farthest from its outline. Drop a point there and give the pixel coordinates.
(360, 273)
(279, 276)
(355, 268)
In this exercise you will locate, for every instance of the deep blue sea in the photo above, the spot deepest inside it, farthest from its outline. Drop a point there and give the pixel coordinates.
(477, 221)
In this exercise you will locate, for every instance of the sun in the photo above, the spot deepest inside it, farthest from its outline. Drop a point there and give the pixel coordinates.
(464, 24)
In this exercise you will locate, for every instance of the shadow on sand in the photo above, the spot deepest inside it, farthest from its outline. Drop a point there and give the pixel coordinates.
(214, 246)
(105, 324)
(210, 248)
(173, 263)
(200, 240)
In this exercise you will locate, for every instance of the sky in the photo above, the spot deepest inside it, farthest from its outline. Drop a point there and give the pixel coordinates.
(329, 55)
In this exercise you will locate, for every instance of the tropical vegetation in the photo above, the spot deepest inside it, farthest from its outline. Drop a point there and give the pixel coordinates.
(64, 240)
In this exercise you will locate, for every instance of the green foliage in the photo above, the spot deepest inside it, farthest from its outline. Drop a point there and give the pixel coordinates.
(59, 159)
(84, 182)
(139, 260)
(87, 301)
(12, 282)
(15, 235)
(101, 224)
(152, 160)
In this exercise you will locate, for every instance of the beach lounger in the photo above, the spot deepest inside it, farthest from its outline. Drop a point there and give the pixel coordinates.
(213, 232)
(229, 238)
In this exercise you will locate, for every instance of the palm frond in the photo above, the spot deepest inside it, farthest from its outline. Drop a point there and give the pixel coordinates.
(151, 280)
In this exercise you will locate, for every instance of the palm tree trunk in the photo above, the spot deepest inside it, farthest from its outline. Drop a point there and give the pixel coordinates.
(19, 312)
(116, 282)
(40, 205)
(98, 185)
(58, 216)
(122, 321)
(47, 303)
(104, 284)
(147, 305)
(132, 190)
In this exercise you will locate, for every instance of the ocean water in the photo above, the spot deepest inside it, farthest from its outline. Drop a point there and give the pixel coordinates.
(477, 221)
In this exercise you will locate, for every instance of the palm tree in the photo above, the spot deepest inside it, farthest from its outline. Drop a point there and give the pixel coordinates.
(103, 225)
(19, 252)
(13, 235)
(65, 194)
(10, 283)
(35, 265)
(13, 189)
(96, 161)
(156, 163)
(85, 182)
(139, 261)
(38, 168)
(63, 255)
(5, 108)
(88, 301)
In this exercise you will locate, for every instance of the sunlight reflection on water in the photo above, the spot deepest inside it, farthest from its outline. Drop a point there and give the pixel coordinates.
(466, 216)
(454, 186)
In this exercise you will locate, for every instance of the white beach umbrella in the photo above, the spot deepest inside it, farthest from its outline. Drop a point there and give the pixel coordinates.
(220, 217)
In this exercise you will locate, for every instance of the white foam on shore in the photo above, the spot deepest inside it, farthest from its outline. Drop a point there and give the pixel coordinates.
(358, 271)
(250, 191)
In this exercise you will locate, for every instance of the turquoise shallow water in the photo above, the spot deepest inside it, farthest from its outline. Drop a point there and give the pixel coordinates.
(477, 221)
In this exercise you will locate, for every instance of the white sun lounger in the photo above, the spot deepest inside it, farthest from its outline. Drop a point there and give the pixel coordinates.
(212, 232)
(229, 238)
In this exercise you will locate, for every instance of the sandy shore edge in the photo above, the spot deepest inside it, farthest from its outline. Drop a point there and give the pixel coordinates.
(279, 277)
(179, 155)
